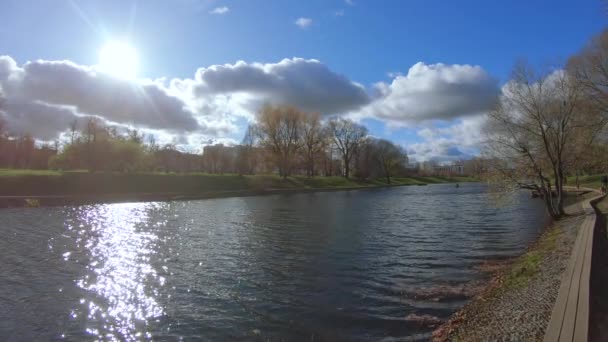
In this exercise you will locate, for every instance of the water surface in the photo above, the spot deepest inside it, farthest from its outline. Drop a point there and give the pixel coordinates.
(348, 265)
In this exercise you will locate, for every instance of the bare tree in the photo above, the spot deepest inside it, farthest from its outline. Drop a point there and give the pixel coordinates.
(280, 131)
(347, 136)
(590, 69)
(2, 113)
(389, 157)
(2, 128)
(314, 140)
(93, 126)
(532, 130)
(246, 156)
(73, 131)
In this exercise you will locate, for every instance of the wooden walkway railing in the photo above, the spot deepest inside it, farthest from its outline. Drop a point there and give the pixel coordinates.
(570, 316)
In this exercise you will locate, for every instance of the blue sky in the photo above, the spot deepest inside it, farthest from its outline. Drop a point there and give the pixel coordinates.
(364, 41)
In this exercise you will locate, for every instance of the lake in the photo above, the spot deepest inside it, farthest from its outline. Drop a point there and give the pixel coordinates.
(346, 265)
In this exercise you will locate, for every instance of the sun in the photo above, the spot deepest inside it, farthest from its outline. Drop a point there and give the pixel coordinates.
(118, 59)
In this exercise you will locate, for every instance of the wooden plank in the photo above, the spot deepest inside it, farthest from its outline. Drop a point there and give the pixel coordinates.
(570, 316)
(554, 327)
(582, 318)
(567, 331)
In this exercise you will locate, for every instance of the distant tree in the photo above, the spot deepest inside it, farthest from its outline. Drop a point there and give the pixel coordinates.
(280, 131)
(91, 135)
(346, 136)
(166, 157)
(246, 154)
(389, 157)
(314, 138)
(133, 135)
(364, 160)
(73, 131)
(3, 131)
(25, 151)
(476, 166)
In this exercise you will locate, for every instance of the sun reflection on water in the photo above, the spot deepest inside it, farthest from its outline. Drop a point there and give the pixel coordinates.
(121, 277)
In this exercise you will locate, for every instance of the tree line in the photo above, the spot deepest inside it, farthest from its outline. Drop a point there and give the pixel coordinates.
(300, 142)
(283, 140)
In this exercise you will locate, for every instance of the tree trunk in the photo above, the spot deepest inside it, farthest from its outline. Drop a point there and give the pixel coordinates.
(387, 174)
(545, 191)
(346, 169)
(559, 188)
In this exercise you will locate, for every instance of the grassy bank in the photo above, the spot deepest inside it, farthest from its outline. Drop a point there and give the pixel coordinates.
(589, 181)
(57, 183)
(519, 298)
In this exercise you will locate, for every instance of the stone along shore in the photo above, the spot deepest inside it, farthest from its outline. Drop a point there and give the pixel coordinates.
(517, 303)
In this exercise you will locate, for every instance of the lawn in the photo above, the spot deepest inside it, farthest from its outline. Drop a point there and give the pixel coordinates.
(589, 181)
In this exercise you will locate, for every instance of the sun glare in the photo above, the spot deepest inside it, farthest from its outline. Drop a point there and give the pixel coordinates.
(119, 59)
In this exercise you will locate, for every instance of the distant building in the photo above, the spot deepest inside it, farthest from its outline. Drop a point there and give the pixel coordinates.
(455, 168)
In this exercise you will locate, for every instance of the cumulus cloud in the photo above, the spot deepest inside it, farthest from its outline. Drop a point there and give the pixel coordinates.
(55, 91)
(38, 119)
(43, 97)
(220, 10)
(303, 22)
(458, 140)
(307, 84)
(434, 92)
(441, 150)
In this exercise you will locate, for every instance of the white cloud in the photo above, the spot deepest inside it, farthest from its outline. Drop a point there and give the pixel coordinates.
(339, 13)
(461, 139)
(434, 92)
(303, 23)
(307, 84)
(349, 2)
(44, 97)
(220, 10)
(41, 120)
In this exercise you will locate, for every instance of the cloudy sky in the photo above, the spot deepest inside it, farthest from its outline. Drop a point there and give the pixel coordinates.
(191, 72)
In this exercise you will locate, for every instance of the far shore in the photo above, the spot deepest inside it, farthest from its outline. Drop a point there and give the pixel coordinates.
(32, 188)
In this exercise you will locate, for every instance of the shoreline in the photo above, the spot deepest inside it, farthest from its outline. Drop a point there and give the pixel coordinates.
(20, 201)
(518, 297)
(33, 188)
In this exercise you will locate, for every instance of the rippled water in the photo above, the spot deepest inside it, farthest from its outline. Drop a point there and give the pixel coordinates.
(346, 265)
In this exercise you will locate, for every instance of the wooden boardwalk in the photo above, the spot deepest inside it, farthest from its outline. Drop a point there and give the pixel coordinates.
(570, 316)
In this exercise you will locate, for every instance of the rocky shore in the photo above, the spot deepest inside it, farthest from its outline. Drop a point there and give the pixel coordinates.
(517, 303)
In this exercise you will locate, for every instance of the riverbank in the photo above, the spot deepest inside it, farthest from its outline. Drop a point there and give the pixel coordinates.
(518, 301)
(34, 187)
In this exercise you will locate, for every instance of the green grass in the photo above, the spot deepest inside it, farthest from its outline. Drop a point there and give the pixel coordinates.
(589, 181)
(525, 268)
(46, 182)
(18, 173)
(527, 265)
(602, 206)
